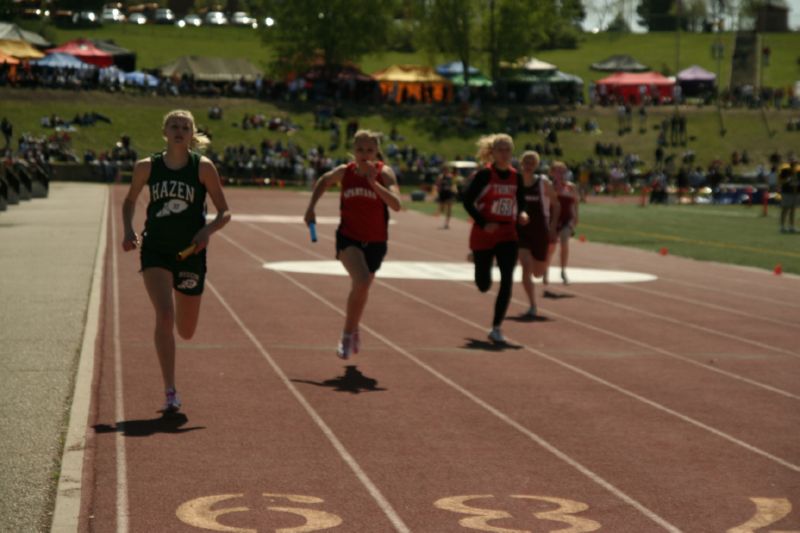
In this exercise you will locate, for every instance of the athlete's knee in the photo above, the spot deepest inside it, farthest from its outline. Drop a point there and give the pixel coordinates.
(186, 331)
(165, 319)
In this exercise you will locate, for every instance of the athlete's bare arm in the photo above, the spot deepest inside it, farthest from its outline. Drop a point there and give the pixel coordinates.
(141, 173)
(209, 177)
(330, 178)
(388, 191)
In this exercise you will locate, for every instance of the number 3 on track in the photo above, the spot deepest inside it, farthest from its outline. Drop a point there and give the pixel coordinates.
(768, 512)
(479, 517)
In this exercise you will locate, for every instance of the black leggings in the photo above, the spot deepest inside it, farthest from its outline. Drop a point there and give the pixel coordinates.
(506, 253)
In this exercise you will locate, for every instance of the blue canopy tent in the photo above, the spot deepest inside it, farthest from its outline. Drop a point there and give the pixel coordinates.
(140, 79)
(59, 60)
(454, 68)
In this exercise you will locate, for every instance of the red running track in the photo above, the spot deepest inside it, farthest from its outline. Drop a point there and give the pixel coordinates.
(670, 405)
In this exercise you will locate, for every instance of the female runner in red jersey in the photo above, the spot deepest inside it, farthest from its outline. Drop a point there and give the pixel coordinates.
(495, 201)
(568, 218)
(368, 187)
(543, 208)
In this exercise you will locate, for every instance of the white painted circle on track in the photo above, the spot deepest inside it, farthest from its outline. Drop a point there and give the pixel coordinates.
(442, 271)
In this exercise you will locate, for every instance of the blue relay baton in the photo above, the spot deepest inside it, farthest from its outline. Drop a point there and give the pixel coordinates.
(312, 229)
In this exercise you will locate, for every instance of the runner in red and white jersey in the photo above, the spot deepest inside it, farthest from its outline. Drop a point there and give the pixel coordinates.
(543, 208)
(368, 188)
(495, 201)
(568, 219)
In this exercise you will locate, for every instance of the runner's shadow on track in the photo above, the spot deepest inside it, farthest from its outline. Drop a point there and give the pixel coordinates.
(557, 295)
(489, 346)
(527, 318)
(167, 423)
(353, 381)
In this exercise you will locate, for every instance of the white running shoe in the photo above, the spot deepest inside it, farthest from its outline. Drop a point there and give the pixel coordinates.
(531, 312)
(496, 336)
(356, 342)
(173, 402)
(564, 277)
(345, 347)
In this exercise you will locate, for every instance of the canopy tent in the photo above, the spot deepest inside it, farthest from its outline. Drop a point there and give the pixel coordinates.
(214, 69)
(9, 60)
(697, 81)
(60, 60)
(19, 49)
(544, 86)
(111, 74)
(344, 81)
(123, 58)
(140, 79)
(455, 68)
(12, 32)
(403, 83)
(631, 87)
(475, 80)
(86, 51)
(529, 64)
(619, 63)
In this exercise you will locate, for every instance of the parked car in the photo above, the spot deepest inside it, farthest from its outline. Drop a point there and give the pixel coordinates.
(137, 18)
(240, 18)
(190, 20)
(164, 16)
(112, 14)
(216, 18)
(86, 19)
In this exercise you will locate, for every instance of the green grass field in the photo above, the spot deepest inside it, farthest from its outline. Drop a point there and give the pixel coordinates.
(733, 234)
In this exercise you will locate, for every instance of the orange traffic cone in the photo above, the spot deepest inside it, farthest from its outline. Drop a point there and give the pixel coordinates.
(778, 269)
(582, 238)
(663, 251)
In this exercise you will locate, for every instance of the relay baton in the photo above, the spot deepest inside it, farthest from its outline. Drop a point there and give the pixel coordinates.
(186, 252)
(312, 229)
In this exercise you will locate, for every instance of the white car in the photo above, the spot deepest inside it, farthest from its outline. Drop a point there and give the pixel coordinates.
(164, 16)
(240, 18)
(137, 18)
(216, 18)
(191, 20)
(112, 14)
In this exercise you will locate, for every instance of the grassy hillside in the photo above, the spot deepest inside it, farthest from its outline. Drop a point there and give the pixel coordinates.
(139, 116)
(158, 45)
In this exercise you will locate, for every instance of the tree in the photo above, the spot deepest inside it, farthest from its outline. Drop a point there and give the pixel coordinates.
(447, 27)
(619, 25)
(336, 31)
(657, 15)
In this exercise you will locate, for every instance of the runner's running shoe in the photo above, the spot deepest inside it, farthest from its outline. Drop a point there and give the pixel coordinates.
(173, 401)
(496, 336)
(345, 347)
(356, 342)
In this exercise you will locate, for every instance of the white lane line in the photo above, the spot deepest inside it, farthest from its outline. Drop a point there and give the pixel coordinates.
(668, 353)
(724, 309)
(632, 340)
(620, 389)
(123, 511)
(573, 368)
(477, 400)
(685, 324)
(70, 482)
(376, 494)
(736, 294)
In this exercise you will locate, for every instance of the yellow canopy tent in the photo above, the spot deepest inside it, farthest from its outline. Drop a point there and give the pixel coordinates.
(413, 82)
(19, 49)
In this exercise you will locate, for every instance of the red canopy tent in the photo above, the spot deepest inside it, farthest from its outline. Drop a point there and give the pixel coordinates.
(86, 51)
(631, 86)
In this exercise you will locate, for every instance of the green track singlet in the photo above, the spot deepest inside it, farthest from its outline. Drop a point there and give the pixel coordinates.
(177, 208)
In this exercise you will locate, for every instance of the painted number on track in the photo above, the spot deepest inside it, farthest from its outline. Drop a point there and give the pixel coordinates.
(199, 513)
(768, 512)
(479, 517)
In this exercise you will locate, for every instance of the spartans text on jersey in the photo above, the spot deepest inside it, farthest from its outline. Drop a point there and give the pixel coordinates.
(360, 191)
